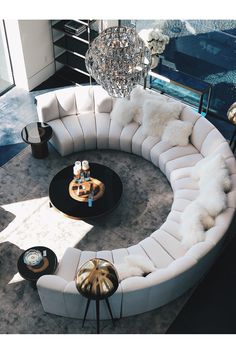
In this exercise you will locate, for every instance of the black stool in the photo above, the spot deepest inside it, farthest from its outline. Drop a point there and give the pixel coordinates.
(97, 280)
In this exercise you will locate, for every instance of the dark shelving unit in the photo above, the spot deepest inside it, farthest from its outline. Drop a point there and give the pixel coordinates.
(70, 48)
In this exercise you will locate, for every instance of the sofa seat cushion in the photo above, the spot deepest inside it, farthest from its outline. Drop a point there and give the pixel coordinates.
(189, 194)
(156, 151)
(61, 138)
(158, 255)
(170, 243)
(114, 135)
(147, 146)
(179, 173)
(127, 135)
(172, 228)
(184, 183)
(137, 141)
(180, 163)
(174, 153)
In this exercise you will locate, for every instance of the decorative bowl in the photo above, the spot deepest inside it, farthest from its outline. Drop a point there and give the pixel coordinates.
(33, 257)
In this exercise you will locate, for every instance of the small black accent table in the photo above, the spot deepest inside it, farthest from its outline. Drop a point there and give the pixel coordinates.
(61, 200)
(37, 134)
(31, 274)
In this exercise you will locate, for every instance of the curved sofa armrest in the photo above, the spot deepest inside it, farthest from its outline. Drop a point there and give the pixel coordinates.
(51, 293)
(51, 282)
(47, 107)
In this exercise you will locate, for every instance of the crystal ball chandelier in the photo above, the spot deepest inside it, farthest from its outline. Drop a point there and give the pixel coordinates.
(118, 60)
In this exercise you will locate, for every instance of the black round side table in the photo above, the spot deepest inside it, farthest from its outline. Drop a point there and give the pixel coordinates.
(97, 280)
(37, 134)
(48, 266)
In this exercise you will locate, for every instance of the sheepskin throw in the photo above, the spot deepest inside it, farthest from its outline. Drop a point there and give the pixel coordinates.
(177, 132)
(134, 265)
(214, 181)
(157, 113)
(123, 111)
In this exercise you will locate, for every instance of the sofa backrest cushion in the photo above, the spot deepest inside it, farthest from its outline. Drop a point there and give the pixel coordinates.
(47, 107)
(66, 102)
(103, 102)
(84, 99)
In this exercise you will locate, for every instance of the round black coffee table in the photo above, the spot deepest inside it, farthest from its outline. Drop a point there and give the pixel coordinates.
(49, 265)
(60, 198)
(37, 134)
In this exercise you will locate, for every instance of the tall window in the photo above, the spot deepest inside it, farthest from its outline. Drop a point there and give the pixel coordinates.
(205, 49)
(6, 77)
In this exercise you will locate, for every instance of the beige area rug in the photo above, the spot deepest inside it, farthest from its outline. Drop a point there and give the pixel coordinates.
(26, 220)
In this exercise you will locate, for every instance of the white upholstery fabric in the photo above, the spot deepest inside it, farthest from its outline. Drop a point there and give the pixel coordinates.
(84, 99)
(137, 141)
(114, 135)
(201, 129)
(156, 252)
(85, 256)
(61, 138)
(47, 107)
(147, 146)
(69, 263)
(127, 135)
(88, 125)
(170, 243)
(102, 126)
(103, 102)
(73, 126)
(66, 102)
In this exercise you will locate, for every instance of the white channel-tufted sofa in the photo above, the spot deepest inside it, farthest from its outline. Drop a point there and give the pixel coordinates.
(80, 119)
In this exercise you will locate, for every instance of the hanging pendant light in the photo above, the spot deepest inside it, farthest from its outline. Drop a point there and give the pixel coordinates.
(118, 60)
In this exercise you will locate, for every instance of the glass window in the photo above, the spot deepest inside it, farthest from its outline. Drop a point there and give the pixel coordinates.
(6, 77)
(204, 49)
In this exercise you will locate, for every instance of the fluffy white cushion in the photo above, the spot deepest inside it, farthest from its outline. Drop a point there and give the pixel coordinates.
(123, 111)
(177, 132)
(195, 220)
(144, 263)
(213, 199)
(134, 265)
(212, 169)
(213, 179)
(157, 113)
(137, 97)
(125, 271)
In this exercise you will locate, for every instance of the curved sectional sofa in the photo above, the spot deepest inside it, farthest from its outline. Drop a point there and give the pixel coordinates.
(80, 119)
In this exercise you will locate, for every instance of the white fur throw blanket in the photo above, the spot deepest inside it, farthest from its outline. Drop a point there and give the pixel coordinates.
(134, 265)
(156, 113)
(214, 181)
